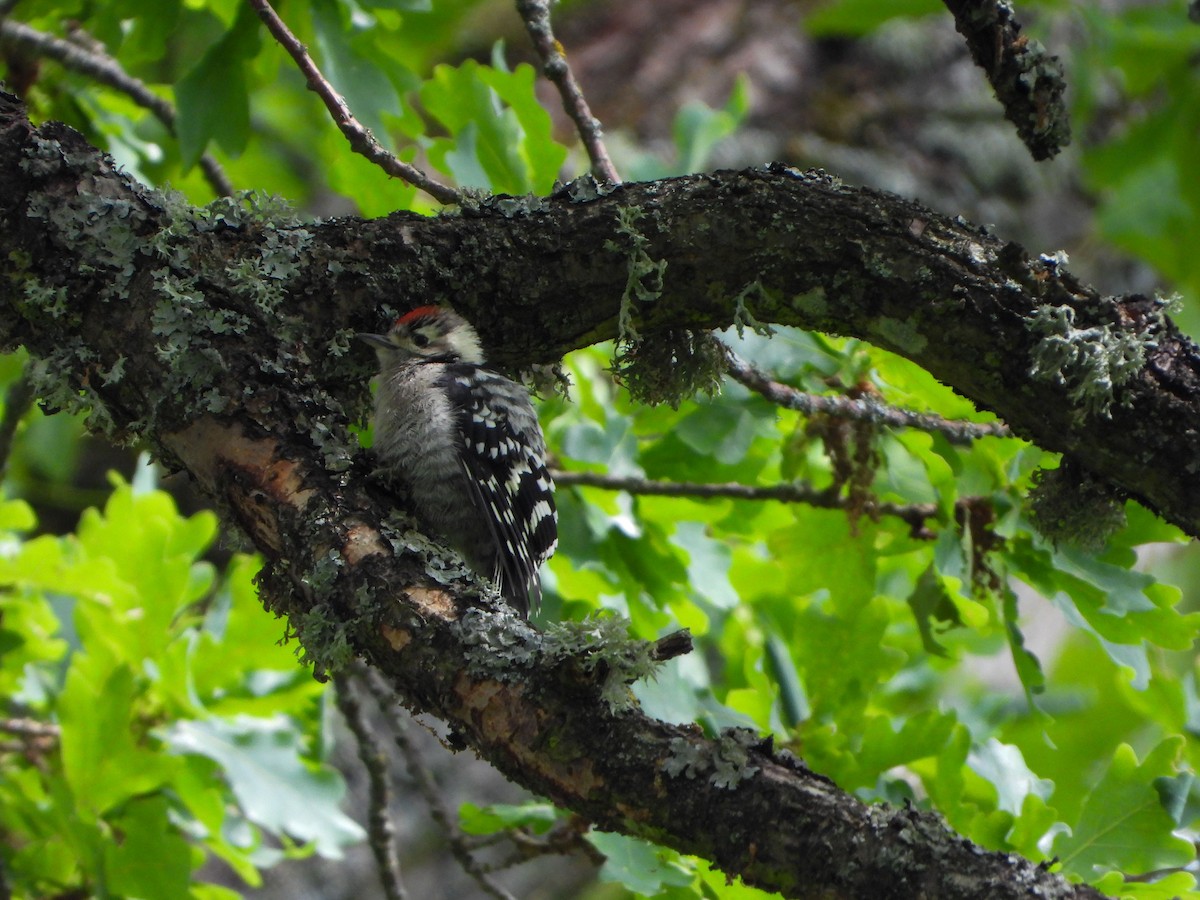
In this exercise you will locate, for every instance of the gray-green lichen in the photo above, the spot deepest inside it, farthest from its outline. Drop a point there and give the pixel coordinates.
(676, 363)
(811, 303)
(1093, 363)
(725, 761)
(743, 318)
(597, 650)
(444, 567)
(644, 274)
(901, 335)
(584, 189)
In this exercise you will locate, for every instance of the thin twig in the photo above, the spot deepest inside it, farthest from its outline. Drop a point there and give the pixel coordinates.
(31, 728)
(536, 16)
(862, 409)
(914, 514)
(382, 833)
(360, 138)
(16, 403)
(429, 789)
(101, 67)
(566, 838)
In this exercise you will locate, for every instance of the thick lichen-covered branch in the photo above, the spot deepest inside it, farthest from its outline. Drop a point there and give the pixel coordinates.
(118, 286)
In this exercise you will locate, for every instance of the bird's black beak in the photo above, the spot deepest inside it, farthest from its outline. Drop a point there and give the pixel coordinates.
(379, 341)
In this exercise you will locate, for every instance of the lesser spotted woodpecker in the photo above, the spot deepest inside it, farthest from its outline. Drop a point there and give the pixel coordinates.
(463, 443)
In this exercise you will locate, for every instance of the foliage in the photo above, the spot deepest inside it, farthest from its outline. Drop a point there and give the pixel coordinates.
(180, 731)
(159, 748)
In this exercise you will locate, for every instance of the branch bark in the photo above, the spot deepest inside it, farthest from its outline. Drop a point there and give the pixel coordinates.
(221, 338)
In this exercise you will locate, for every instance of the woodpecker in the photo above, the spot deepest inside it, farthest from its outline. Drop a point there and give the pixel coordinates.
(463, 443)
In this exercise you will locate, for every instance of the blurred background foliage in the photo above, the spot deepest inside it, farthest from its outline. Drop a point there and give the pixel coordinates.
(157, 739)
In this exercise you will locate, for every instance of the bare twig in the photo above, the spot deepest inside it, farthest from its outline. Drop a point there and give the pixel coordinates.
(536, 16)
(360, 138)
(101, 67)
(30, 728)
(382, 833)
(568, 837)
(16, 403)
(429, 789)
(677, 643)
(859, 409)
(915, 514)
(1027, 79)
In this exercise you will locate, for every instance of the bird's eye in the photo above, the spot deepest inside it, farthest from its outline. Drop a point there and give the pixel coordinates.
(421, 340)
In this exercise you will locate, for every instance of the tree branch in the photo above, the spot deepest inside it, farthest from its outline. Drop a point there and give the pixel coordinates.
(382, 833)
(104, 69)
(428, 788)
(859, 409)
(196, 360)
(536, 16)
(360, 138)
(1027, 79)
(914, 514)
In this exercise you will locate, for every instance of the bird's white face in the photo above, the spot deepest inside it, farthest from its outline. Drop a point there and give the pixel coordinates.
(443, 336)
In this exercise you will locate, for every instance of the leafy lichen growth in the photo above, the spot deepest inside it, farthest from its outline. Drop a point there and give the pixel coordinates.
(678, 362)
(1069, 507)
(675, 364)
(743, 318)
(644, 274)
(1092, 363)
(602, 646)
(597, 650)
(725, 761)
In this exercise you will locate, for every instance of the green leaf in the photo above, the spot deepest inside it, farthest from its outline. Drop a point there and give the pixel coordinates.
(500, 135)
(275, 785)
(402, 5)
(1031, 826)
(1174, 886)
(930, 601)
(1029, 668)
(883, 746)
(1123, 825)
(149, 857)
(698, 128)
(859, 17)
(351, 67)
(102, 762)
(543, 156)
(1003, 766)
(17, 515)
(212, 99)
(539, 817)
(642, 867)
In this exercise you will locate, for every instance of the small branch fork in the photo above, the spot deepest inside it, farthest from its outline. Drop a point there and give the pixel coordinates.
(860, 409)
(93, 62)
(360, 138)
(536, 16)
(423, 779)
